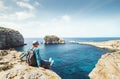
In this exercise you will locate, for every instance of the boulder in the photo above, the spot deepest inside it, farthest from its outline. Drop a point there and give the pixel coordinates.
(10, 38)
(52, 39)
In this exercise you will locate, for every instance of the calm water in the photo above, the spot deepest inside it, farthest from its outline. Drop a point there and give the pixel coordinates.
(72, 61)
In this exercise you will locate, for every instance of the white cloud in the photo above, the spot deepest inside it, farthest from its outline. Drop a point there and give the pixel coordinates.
(11, 25)
(37, 3)
(62, 19)
(24, 15)
(25, 5)
(2, 5)
(81, 28)
(28, 10)
(26, 0)
(66, 18)
(17, 16)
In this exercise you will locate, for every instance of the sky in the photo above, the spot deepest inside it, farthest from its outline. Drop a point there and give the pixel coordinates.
(64, 18)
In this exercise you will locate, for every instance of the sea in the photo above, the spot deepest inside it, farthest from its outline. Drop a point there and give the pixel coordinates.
(71, 61)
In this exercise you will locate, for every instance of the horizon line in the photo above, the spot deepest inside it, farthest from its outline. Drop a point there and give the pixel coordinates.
(78, 37)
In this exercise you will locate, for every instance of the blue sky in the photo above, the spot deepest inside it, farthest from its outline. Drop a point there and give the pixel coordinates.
(64, 18)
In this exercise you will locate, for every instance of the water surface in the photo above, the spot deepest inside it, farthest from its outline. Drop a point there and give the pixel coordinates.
(72, 61)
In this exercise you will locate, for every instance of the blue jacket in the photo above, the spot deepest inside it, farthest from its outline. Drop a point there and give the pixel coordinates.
(37, 55)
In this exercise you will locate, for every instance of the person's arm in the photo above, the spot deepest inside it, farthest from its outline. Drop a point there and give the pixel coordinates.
(37, 55)
(22, 55)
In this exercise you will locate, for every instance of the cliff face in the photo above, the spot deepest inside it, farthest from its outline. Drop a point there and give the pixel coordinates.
(10, 38)
(113, 45)
(108, 67)
(11, 68)
(51, 39)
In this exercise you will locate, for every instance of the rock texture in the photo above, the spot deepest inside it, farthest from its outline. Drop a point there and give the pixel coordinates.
(114, 44)
(108, 66)
(52, 39)
(11, 68)
(10, 38)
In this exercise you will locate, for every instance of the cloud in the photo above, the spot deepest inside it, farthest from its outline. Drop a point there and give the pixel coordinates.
(82, 28)
(25, 5)
(26, 0)
(24, 15)
(66, 18)
(11, 14)
(2, 6)
(37, 4)
(61, 19)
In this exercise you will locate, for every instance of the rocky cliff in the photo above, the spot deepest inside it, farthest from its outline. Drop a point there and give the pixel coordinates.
(52, 39)
(108, 66)
(11, 68)
(10, 38)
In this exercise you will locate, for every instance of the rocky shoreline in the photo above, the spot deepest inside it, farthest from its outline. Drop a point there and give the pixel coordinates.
(113, 44)
(11, 68)
(108, 66)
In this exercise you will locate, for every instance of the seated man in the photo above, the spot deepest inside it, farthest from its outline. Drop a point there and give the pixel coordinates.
(39, 61)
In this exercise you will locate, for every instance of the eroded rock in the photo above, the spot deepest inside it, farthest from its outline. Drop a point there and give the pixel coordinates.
(10, 38)
(108, 67)
(12, 68)
(52, 39)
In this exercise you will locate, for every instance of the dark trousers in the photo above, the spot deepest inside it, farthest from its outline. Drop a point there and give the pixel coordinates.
(45, 64)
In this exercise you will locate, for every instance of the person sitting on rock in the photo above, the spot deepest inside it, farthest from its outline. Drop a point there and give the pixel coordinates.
(36, 60)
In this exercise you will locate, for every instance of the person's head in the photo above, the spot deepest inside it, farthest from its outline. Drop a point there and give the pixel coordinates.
(35, 43)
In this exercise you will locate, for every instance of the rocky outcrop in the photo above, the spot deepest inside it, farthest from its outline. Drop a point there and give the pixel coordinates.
(10, 38)
(11, 68)
(113, 45)
(52, 39)
(108, 67)
(72, 42)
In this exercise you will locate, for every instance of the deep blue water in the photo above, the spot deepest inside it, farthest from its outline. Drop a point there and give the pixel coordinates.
(72, 61)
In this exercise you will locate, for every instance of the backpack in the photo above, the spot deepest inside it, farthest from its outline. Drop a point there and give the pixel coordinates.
(30, 58)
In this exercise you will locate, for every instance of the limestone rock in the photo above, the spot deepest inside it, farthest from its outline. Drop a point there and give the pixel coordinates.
(52, 39)
(108, 67)
(27, 72)
(10, 38)
(113, 44)
(12, 68)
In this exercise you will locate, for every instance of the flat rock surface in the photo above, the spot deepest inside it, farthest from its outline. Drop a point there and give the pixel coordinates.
(11, 68)
(114, 44)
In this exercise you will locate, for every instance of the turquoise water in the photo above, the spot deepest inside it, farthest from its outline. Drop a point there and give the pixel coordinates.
(72, 61)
